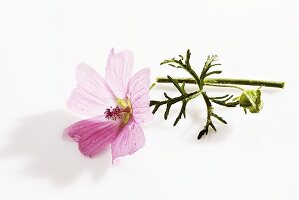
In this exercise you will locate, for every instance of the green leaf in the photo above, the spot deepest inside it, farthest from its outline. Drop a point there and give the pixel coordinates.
(168, 105)
(219, 118)
(213, 72)
(251, 99)
(182, 113)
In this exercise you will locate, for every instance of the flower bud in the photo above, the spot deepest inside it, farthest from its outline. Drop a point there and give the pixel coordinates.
(251, 99)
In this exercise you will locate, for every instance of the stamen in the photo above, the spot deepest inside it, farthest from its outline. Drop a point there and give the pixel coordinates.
(115, 113)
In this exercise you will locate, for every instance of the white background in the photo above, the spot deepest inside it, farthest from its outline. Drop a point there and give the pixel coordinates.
(253, 157)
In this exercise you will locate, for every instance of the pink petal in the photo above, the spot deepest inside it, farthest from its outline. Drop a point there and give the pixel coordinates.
(138, 94)
(92, 95)
(129, 140)
(118, 71)
(94, 134)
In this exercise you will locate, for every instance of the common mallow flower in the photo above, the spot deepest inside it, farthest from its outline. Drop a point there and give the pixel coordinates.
(117, 106)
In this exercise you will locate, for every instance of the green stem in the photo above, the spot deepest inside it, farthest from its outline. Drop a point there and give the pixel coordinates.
(226, 81)
(222, 85)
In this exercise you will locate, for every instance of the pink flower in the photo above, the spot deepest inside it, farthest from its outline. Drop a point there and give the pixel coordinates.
(117, 104)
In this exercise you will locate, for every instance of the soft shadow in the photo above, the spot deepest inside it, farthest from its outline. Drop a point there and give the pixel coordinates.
(197, 117)
(38, 138)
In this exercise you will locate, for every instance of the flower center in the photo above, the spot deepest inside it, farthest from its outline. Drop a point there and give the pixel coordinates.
(122, 111)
